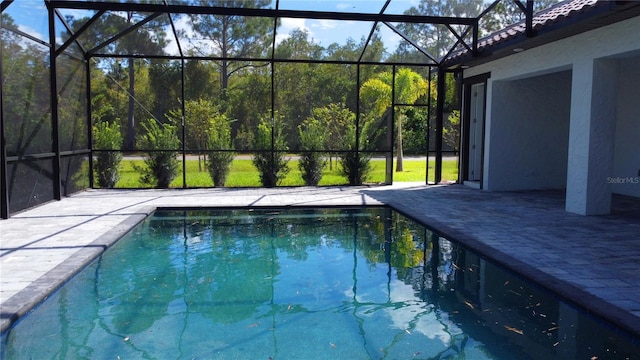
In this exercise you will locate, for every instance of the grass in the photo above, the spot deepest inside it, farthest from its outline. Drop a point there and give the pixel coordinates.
(244, 174)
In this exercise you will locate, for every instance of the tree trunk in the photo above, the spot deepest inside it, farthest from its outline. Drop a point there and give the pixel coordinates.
(399, 166)
(130, 140)
(224, 68)
(131, 123)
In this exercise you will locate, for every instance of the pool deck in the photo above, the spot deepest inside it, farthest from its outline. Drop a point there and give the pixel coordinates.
(593, 261)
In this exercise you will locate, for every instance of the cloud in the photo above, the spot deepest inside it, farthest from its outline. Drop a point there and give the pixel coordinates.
(33, 32)
(287, 25)
(77, 14)
(185, 32)
(325, 24)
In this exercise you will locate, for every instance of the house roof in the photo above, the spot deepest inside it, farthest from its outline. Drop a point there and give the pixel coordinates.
(562, 20)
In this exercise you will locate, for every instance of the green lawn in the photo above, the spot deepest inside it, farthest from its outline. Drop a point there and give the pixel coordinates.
(244, 174)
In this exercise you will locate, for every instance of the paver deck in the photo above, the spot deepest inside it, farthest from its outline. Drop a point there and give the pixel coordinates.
(593, 261)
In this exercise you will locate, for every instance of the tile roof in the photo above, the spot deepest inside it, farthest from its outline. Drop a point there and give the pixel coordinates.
(557, 13)
(555, 16)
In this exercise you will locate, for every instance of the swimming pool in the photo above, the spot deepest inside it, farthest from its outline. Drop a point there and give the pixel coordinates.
(350, 283)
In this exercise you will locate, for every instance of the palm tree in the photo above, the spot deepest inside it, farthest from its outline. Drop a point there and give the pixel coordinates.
(409, 87)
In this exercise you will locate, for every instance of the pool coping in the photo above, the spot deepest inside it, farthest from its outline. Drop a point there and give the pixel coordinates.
(27, 299)
(572, 294)
(35, 293)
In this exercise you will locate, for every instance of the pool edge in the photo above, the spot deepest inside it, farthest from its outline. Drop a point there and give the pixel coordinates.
(586, 301)
(20, 304)
(23, 302)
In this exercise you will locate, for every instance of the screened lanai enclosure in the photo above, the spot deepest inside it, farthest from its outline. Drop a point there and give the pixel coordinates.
(183, 94)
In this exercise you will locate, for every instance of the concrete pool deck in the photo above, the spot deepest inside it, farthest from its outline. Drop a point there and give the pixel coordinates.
(593, 261)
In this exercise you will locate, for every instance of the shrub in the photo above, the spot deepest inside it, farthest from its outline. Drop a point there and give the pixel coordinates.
(219, 138)
(219, 164)
(244, 139)
(107, 137)
(272, 165)
(312, 162)
(355, 165)
(161, 161)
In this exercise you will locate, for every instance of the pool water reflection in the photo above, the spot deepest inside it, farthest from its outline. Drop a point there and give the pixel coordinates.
(348, 283)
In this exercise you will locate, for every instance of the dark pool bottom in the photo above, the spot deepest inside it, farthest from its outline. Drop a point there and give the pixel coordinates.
(345, 283)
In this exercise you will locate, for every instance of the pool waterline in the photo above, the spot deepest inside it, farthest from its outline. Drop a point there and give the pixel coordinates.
(467, 269)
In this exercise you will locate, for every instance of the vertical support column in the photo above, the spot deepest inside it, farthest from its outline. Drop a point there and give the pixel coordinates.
(4, 189)
(476, 35)
(55, 134)
(389, 151)
(357, 145)
(439, 123)
(426, 175)
(184, 125)
(459, 76)
(391, 125)
(591, 136)
(529, 19)
(273, 118)
(89, 121)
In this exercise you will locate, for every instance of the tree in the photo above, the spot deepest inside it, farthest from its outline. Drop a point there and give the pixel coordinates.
(207, 129)
(377, 92)
(339, 83)
(435, 39)
(506, 13)
(230, 36)
(451, 130)
(303, 87)
(198, 116)
(150, 39)
(134, 43)
(249, 96)
(165, 79)
(335, 118)
(201, 80)
(25, 102)
(414, 130)
(297, 83)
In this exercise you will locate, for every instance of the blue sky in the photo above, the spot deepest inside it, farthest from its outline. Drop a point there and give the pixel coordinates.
(326, 32)
(31, 16)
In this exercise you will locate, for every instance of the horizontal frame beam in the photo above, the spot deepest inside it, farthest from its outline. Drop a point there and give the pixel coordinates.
(258, 12)
(259, 60)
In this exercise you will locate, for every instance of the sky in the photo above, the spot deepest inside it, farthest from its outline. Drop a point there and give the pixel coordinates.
(326, 32)
(31, 16)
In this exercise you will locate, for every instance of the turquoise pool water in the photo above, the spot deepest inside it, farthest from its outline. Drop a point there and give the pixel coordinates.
(346, 283)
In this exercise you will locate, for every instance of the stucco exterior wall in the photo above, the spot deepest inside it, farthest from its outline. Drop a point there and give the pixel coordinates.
(626, 167)
(604, 114)
(529, 133)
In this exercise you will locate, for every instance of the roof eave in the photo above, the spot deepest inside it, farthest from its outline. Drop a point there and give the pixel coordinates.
(599, 16)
